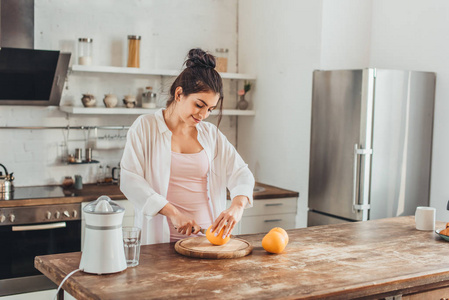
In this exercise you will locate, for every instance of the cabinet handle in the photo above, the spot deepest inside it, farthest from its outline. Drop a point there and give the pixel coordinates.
(273, 220)
(273, 204)
(39, 227)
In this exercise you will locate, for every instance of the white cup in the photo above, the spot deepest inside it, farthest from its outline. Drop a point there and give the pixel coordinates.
(425, 218)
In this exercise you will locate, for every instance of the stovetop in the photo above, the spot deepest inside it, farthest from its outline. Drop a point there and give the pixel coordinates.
(34, 192)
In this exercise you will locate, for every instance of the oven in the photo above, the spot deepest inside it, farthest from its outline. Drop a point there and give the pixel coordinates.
(29, 231)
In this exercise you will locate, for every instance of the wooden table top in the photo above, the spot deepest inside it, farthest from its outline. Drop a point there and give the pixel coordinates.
(382, 257)
(91, 192)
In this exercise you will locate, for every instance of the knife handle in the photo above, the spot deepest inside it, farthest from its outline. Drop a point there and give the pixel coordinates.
(202, 230)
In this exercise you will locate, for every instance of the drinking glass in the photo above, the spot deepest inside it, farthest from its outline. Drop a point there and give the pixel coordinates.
(131, 243)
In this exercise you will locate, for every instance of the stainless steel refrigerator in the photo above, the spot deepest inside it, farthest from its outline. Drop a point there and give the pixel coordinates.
(371, 144)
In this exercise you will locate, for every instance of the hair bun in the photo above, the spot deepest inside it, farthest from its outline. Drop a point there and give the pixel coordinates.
(197, 58)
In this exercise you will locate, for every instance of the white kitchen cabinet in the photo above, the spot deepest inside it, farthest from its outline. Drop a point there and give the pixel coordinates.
(258, 224)
(128, 218)
(267, 214)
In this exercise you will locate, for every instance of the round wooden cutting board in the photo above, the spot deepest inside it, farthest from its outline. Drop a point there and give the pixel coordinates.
(200, 247)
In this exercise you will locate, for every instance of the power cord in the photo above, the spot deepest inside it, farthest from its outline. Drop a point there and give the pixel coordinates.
(65, 278)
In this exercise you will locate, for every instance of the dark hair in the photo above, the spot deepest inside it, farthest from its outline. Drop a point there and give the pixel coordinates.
(199, 76)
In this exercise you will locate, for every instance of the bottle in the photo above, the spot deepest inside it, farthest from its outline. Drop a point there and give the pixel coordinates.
(108, 175)
(133, 51)
(85, 51)
(100, 175)
(149, 98)
(78, 182)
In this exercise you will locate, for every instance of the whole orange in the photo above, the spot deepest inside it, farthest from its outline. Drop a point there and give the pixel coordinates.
(274, 242)
(283, 232)
(217, 240)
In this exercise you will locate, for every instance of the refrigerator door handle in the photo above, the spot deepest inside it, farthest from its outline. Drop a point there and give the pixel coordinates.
(355, 202)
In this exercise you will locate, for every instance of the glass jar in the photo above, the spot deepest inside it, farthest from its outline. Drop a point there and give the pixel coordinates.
(64, 152)
(133, 51)
(221, 55)
(85, 51)
(78, 155)
(88, 152)
(149, 98)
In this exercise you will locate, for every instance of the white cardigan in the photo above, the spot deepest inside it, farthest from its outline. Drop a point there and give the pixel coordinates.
(145, 172)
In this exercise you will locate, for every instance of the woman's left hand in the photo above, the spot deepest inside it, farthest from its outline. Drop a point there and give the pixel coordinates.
(231, 216)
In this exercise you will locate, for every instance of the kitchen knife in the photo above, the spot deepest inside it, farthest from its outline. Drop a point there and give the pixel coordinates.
(202, 230)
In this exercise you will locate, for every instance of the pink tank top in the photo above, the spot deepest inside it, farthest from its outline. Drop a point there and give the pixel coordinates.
(187, 189)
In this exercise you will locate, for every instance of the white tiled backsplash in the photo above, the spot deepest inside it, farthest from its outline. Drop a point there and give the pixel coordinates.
(35, 155)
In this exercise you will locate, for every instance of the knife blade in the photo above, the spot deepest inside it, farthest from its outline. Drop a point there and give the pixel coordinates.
(203, 231)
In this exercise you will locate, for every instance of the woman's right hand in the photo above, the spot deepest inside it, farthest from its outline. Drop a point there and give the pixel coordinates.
(183, 224)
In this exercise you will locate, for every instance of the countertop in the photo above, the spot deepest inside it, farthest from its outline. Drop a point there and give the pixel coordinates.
(384, 257)
(91, 192)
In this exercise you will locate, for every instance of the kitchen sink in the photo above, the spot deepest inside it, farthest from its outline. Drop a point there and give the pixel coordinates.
(258, 189)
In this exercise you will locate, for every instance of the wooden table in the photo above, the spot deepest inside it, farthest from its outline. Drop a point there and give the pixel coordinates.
(372, 260)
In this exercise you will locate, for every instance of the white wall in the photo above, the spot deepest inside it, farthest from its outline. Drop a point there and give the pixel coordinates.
(168, 29)
(346, 34)
(283, 41)
(414, 35)
(280, 42)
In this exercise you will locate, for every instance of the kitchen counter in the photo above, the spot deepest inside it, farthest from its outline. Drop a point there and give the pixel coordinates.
(372, 259)
(91, 192)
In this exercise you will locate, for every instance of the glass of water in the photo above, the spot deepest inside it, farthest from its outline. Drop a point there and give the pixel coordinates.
(131, 242)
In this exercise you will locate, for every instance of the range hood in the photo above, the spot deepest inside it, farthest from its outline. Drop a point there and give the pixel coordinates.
(27, 76)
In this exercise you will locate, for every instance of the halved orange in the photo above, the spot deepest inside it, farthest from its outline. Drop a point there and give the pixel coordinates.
(217, 240)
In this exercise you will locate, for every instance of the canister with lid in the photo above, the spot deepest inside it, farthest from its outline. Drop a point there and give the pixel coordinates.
(149, 98)
(85, 51)
(221, 59)
(133, 51)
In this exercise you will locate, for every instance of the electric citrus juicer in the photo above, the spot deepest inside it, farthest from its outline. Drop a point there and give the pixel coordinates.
(103, 251)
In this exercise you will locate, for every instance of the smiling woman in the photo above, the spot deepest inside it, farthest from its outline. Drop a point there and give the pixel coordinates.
(176, 167)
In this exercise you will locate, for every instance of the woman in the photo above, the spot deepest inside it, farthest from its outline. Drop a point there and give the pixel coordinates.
(176, 167)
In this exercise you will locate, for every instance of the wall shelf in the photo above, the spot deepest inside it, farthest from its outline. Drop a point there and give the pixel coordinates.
(78, 110)
(155, 72)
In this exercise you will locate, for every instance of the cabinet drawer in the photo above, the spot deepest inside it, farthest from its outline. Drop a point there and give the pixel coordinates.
(272, 206)
(258, 224)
